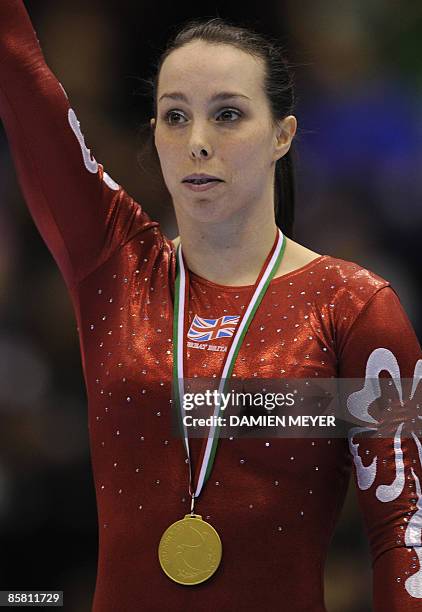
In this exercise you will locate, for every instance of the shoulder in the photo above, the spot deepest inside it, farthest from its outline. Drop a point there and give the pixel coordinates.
(342, 273)
(354, 277)
(348, 287)
(342, 289)
(332, 267)
(352, 292)
(329, 268)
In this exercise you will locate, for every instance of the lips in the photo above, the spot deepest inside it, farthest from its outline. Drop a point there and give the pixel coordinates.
(200, 179)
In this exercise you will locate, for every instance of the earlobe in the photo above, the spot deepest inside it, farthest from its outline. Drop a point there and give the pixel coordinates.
(282, 145)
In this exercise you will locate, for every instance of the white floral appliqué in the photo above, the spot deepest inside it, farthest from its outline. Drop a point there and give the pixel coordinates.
(90, 162)
(357, 404)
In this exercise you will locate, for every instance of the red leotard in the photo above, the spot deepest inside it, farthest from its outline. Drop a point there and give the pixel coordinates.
(274, 504)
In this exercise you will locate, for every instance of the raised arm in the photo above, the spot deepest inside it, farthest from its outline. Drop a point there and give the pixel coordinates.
(81, 213)
(381, 343)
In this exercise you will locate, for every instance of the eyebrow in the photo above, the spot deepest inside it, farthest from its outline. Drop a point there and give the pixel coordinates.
(223, 95)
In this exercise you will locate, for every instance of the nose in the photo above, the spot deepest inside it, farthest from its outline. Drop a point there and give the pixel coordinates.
(199, 146)
(199, 153)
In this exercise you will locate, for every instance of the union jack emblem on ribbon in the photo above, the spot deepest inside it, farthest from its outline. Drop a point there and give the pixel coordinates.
(211, 329)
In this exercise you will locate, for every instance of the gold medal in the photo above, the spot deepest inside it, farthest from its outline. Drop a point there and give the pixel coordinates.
(190, 550)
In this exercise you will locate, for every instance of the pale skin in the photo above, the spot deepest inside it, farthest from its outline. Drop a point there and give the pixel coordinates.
(228, 231)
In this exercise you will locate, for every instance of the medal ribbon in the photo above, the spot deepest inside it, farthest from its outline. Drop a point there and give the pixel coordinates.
(181, 301)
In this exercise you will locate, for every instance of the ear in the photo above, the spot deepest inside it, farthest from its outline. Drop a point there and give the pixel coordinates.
(286, 129)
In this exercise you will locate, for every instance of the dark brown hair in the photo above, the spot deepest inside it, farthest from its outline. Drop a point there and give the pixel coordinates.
(279, 88)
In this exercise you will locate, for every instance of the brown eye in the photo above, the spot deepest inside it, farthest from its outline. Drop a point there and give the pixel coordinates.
(229, 111)
(171, 114)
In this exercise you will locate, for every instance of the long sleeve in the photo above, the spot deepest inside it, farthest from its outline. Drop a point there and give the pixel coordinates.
(388, 466)
(81, 213)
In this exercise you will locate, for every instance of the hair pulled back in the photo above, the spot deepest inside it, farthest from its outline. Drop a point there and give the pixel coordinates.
(278, 84)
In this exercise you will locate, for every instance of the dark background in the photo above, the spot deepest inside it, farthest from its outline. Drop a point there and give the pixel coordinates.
(359, 84)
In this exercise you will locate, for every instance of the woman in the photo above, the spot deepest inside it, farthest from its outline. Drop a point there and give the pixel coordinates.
(223, 103)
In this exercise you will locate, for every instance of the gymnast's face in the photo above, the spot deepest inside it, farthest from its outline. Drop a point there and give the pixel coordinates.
(241, 140)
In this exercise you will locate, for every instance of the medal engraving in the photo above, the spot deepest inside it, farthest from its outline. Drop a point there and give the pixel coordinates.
(190, 550)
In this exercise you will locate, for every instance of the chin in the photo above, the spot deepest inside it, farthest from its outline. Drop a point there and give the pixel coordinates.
(203, 207)
(206, 210)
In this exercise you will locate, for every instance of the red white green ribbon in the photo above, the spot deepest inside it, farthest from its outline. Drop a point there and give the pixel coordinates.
(181, 300)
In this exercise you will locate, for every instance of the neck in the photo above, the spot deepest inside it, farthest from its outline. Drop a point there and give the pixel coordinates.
(228, 253)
